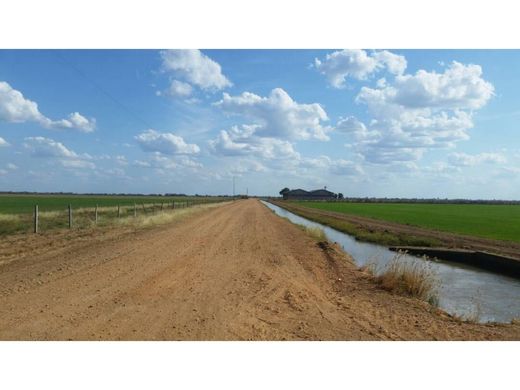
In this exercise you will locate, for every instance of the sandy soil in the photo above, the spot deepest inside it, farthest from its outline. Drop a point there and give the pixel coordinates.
(234, 272)
(448, 240)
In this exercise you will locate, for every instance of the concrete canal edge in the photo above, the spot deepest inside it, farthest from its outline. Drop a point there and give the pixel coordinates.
(488, 261)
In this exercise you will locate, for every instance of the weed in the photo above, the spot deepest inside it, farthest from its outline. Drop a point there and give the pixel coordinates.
(414, 278)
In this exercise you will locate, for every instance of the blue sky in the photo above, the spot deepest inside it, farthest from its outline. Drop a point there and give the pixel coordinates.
(405, 123)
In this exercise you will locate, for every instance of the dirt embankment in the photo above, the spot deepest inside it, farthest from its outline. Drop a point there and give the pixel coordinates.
(374, 227)
(234, 272)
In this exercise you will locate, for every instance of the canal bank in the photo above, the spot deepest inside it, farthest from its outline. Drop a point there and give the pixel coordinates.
(465, 290)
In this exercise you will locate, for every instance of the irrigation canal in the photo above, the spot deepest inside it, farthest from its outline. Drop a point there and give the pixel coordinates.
(464, 290)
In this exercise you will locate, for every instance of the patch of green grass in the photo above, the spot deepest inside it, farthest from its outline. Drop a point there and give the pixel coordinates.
(360, 233)
(499, 222)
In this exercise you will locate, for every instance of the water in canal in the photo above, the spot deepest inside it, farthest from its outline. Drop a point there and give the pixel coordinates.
(464, 290)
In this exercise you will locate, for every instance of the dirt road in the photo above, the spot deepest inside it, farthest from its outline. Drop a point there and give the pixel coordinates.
(233, 272)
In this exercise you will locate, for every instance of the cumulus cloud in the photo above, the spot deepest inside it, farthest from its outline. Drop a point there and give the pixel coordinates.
(179, 89)
(358, 64)
(325, 164)
(163, 163)
(459, 87)
(196, 68)
(46, 147)
(3, 142)
(74, 121)
(243, 141)
(278, 115)
(42, 147)
(165, 143)
(465, 160)
(414, 113)
(15, 108)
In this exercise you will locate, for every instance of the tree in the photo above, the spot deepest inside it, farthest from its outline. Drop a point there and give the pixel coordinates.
(340, 196)
(285, 190)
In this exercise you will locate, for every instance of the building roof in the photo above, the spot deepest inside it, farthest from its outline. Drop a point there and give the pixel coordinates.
(322, 192)
(298, 191)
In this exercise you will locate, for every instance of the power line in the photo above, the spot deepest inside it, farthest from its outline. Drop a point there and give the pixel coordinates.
(96, 85)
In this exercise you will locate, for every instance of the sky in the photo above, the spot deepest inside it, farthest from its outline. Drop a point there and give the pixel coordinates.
(366, 123)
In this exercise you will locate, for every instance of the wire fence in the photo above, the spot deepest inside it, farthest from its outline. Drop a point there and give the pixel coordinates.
(43, 220)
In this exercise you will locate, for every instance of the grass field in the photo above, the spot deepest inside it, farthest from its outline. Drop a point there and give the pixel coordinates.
(21, 204)
(16, 211)
(500, 222)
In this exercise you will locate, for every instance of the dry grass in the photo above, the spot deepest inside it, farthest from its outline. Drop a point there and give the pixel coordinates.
(369, 268)
(413, 278)
(150, 220)
(315, 232)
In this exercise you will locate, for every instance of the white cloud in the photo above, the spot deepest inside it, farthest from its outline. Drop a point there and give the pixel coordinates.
(358, 64)
(74, 121)
(345, 168)
(278, 115)
(3, 142)
(48, 148)
(418, 112)
(163, 164)
(3, 172)
(179, 89)
(195, 67)
(121, 160)
(165, 143)
(242, 167)
(243, 141)
(15, 108)
(339, 167)
(459, 87)
(11, 166)
(464, 160)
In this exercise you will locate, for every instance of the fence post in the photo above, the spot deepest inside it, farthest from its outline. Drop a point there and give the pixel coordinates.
(36, 218)
(95, 215)
(135, 210)
(162, 204)
(144, 210)
(173, 204)
(70, 216)
(118, 211)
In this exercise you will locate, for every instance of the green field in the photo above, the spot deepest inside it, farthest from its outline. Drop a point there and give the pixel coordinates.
(16, 211)
(21, 204)
(500, 222)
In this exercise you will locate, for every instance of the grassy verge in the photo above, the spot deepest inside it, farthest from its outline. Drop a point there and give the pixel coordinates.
(361, 233)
